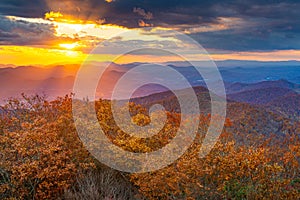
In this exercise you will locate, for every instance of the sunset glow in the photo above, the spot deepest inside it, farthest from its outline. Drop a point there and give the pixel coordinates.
(68, 46)
(151, 99)
(73, 38)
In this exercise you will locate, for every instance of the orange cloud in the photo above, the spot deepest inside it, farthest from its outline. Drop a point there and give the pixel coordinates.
(142, 23)
(53, 15)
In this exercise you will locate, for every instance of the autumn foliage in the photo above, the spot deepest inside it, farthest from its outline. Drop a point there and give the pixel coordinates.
(42, 157)
(40, 153)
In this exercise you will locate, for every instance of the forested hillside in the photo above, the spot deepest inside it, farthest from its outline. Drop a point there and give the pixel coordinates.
(257, 155)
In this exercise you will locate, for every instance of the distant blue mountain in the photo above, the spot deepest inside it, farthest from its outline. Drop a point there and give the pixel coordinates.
(246, 71)
(237, 76)
(258, 74)
(240, 63)
(241, 87)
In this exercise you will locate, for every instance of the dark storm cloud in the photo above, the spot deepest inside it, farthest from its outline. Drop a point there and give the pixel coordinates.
(143, 13)
(247, 41)
(168, 12)
(267, 27)
(269, 24)
(19, 32)
(23, 8)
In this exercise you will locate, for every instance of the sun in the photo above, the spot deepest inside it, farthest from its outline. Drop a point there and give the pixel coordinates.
(69, 45)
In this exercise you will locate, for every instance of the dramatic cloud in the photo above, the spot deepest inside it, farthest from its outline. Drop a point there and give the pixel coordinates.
(216, 24)
(23, 8)
(143, 13)
(142, 23)
(19, 32)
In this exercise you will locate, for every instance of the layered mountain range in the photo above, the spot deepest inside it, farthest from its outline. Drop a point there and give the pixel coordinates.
(261, 90)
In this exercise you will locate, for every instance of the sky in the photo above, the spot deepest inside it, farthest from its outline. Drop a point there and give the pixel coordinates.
(45, 32)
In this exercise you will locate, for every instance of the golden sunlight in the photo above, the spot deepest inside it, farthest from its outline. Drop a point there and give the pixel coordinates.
(22, 55)
(75, 28)
(69, 46)
(86, 35)
(53, 15)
